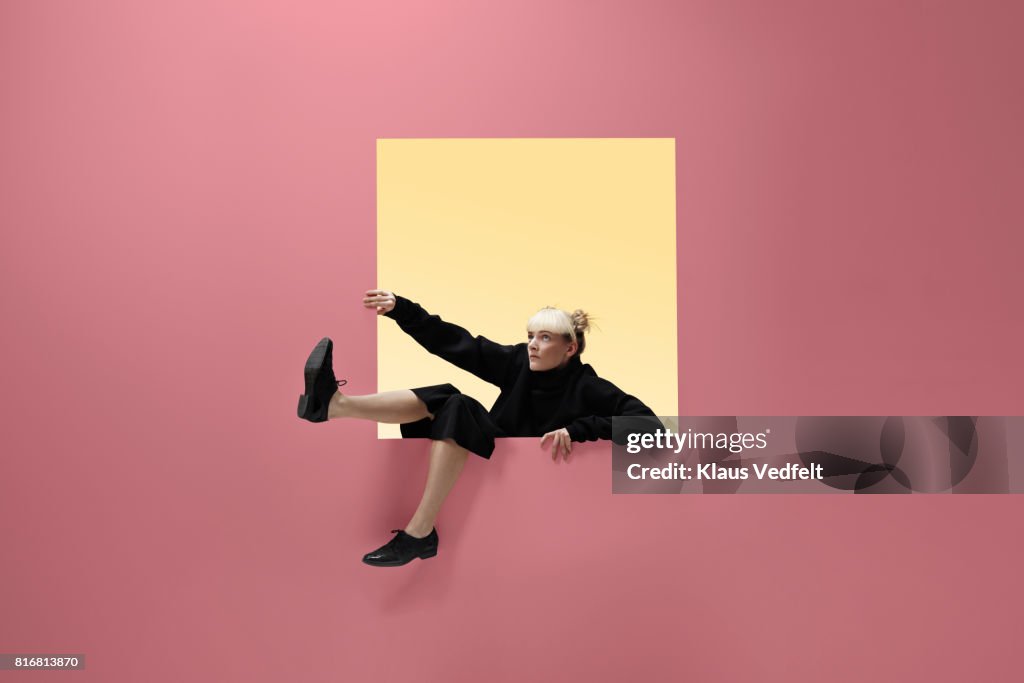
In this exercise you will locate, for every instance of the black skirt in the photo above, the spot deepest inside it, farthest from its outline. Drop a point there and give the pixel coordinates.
(456, 416)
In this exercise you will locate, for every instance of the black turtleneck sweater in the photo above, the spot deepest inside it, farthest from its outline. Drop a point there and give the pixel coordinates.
(531, 403)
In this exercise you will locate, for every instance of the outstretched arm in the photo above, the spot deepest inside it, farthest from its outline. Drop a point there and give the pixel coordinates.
(487, 360)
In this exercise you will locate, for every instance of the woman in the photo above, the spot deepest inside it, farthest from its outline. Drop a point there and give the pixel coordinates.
(545, 391)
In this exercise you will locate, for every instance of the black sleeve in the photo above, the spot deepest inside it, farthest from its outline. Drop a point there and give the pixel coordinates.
(610, 401)
(487, 360)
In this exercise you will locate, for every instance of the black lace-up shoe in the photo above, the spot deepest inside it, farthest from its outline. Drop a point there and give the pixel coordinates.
(403, 549)
(320, 382)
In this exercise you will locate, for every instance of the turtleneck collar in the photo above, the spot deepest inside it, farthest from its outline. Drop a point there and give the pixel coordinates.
(546, 379)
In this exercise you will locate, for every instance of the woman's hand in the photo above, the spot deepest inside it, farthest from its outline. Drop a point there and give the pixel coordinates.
(380, 299)
(561, 441)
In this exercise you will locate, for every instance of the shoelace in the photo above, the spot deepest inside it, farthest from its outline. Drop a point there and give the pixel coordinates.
(403, 536)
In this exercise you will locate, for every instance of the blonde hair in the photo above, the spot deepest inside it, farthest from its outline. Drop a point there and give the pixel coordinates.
(573, 326)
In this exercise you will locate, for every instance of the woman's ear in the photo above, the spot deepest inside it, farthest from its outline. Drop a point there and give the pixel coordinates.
(572, 349)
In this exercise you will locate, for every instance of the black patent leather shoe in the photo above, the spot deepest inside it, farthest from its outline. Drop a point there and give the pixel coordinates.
(320, 382)
(403, 549)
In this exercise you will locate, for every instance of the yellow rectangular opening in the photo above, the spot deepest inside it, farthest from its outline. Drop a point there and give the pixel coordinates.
(484, 232)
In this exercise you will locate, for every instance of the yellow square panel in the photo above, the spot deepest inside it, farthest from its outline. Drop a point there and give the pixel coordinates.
(485, 231)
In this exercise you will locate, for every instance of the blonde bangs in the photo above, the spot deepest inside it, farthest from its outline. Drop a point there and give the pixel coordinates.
(552, 320)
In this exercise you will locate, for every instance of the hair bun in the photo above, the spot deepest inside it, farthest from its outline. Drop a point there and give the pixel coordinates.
(580, 321)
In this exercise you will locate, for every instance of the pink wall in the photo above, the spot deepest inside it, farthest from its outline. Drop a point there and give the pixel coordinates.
(188, 203)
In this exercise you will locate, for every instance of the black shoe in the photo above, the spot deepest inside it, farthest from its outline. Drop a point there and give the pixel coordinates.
(403, 549)
(320, 383)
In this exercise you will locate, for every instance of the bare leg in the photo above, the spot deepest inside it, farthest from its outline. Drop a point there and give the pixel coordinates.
(394, 407)
(446, 461)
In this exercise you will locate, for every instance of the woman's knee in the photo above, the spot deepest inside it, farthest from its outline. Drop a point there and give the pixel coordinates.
(458, 401)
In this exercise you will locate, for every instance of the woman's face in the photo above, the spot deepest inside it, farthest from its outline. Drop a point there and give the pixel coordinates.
(547, 350)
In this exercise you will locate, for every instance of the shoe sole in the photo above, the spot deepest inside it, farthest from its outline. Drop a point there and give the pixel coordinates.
(423, 556)
(314, 364)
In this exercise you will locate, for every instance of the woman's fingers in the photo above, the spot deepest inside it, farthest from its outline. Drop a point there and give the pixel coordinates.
(381, 299)
(558, 446)
(554, 443)
(563, 437)
(560, 442)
